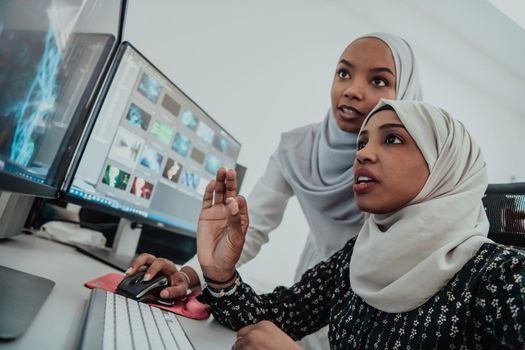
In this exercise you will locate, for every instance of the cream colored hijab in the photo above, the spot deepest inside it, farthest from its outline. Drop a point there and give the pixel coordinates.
(425, 243)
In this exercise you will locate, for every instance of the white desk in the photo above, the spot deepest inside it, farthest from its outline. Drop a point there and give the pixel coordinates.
(58, 323)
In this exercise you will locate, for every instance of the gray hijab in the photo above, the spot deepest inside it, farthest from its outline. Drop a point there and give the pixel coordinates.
(319, 167)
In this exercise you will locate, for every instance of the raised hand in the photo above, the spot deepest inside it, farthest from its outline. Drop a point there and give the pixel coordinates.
(222, 227)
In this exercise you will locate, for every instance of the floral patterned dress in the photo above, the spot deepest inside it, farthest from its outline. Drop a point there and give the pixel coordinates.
(482, 307)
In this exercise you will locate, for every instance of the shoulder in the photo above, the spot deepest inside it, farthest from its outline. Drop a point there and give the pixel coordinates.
(499, 253)
(499, 264)
(300, 135)
(493, 255)
(302, 130)
(338, 264)
(344, 254)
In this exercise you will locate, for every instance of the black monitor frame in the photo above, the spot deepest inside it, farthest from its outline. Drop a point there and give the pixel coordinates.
(17, 184)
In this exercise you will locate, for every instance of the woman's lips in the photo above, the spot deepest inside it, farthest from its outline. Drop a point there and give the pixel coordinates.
(364, 180)
(364, 187)
(349, 113)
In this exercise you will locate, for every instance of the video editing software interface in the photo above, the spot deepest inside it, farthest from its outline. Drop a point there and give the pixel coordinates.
(45, 80)
(152, 150)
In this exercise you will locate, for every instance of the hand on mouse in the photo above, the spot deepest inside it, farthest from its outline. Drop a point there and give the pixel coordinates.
(152, 265)
(223, 223)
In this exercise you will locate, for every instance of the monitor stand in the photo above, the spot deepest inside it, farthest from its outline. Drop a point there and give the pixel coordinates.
(14, 210)
(21, 294)
(124, 246)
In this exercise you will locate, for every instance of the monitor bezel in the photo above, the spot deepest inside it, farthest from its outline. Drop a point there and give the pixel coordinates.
(17, 184)
(64, 193)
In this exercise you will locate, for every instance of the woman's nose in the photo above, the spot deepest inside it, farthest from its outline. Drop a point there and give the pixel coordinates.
(354, 90)
(366, 154)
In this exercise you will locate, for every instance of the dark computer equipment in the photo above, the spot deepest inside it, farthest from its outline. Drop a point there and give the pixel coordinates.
(47, 85)
(148, 155)
(136, 288)
(505, 207)
(53, 56)
(21, 296)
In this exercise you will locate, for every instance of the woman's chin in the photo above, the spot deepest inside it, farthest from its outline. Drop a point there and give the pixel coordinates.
(372, 209)
(349, 125)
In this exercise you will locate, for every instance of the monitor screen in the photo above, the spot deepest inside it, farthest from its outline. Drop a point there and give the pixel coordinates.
(52, 57)
(152, 149)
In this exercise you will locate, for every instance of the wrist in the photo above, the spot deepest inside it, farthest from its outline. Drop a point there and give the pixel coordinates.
(186, 279)
(224, 282)
(217, 275)
(193, 277)
(219, 291)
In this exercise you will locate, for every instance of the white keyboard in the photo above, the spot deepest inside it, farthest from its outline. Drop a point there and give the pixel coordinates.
(117, 322)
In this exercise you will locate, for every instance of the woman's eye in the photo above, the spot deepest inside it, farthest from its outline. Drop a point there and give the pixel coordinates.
(343, 73)
(391, 139)
(361, 145)
(380, 82)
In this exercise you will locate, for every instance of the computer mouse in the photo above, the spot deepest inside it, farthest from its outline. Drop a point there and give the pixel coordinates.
(136, 288)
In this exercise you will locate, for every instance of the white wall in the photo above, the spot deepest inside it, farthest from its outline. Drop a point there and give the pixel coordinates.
(260, 68)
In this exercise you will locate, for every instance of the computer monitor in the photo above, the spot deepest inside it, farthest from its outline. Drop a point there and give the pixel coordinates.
(150, 154)
(53, 56)
(50, 67)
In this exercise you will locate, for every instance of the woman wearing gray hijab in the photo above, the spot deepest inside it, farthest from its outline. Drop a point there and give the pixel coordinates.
(421, 273)
(314, 163)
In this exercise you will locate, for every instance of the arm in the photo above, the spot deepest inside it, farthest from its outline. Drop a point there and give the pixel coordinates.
(500, 300)
(298, 310)
(223, 223)
(268, 201)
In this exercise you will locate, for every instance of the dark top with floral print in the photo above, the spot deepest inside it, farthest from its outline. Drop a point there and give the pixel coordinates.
(482, 307)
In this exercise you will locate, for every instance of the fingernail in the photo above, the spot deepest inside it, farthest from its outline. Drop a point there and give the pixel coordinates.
(164, 294)
(128, 271)
(147, 277)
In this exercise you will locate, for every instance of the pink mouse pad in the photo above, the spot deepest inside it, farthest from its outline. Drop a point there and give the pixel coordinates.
(188, 307)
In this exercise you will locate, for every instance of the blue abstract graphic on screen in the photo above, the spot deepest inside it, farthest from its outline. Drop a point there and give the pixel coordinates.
(32, 111)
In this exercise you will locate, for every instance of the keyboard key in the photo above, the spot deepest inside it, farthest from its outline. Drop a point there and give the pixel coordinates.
(122, 329)
(151, 327)
(140, 339)
(164, 331)
(178, 333)
(108, 342)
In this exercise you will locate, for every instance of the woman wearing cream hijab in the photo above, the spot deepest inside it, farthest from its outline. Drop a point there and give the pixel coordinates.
(421, 273)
